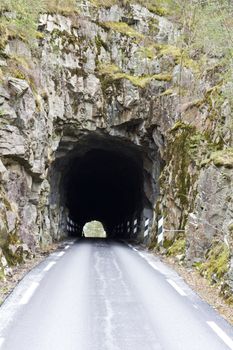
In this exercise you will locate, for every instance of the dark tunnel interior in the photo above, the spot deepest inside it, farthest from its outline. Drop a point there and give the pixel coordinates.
(104, 185)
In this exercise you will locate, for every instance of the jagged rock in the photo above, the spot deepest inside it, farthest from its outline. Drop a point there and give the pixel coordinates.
(19, 48)
(18, 86)
(183, 76)
(3, 63)
(11, 220)
(214, 208)
(3, 171)
(4, 93)
(3, 261)
(107, 71)
(11, 141)
(7, 112)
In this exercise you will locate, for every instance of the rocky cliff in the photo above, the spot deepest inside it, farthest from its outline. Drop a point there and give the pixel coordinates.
(117, 73)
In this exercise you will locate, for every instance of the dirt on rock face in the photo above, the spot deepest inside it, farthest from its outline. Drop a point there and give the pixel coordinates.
(208, 292)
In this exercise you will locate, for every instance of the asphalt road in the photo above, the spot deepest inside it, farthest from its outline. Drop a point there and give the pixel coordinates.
(105, 295)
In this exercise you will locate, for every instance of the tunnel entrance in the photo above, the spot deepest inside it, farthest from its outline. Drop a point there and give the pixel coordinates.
(105, 186)
(100, 178)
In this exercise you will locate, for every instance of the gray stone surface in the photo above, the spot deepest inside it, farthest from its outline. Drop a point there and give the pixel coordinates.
(66, 95)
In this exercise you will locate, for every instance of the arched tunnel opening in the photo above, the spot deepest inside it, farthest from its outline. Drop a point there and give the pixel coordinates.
(99, 178)
(105, 186)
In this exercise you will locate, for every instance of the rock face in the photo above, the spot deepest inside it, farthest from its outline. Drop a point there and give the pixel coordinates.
(112, 73)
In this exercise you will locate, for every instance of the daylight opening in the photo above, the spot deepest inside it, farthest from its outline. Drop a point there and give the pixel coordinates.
(94, 229)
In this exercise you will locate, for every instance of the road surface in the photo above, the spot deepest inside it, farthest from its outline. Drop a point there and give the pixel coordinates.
(106, 295)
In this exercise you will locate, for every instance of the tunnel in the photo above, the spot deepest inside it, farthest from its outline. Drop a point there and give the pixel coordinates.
(99, 178)
(105, 186)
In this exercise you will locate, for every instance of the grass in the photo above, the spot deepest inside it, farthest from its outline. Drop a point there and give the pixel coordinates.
(24, 21)
(122, 28)
(177, 248)
(112, 73)
(217, 262)
(64, 7)
(158, 7)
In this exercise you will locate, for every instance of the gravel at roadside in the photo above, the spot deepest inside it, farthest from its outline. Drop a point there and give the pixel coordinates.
(18, 272)
(209, 293)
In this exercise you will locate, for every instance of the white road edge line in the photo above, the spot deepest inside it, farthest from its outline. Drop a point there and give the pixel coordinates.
(227, 340)
(67, 247)
(60, 254)
(132, 247)
(28, 294)
(153, 265)
(1, 341)
(48, 267)
(142, 255)
(176, 287)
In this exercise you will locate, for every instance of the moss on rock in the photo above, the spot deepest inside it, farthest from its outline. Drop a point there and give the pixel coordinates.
(223, 158)
(179, 155)
(13, 250)
(178, 247)
(123, 28)
(147, 52)
(111, 73)
(217, 262)
(169, 50)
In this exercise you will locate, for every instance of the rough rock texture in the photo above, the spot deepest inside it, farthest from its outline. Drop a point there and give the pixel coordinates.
(113, 72)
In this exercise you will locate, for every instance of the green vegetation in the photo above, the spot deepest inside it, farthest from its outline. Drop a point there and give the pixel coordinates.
(217, 262)
(207, 32)
(186, 147)
(158, 7)
(18, 67)
(178, 247)
(13, 256)
(223, 158)
(104, 3)
(165, 50)
(212, 23)
(167, 92)
(111, 72)
(161, 7)
(122, 28)
(22, 22)
(21, 18)
(64, 7)
(147, 52)
(178, 152)
(2, 276)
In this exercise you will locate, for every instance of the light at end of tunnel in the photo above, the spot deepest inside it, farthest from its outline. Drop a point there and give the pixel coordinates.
(94, 229)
